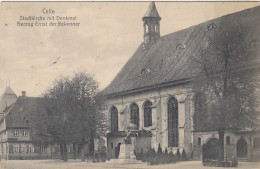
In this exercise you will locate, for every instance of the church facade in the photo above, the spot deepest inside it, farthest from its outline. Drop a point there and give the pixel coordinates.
(151, 97)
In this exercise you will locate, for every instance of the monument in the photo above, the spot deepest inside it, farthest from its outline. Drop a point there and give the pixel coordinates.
(127, 147)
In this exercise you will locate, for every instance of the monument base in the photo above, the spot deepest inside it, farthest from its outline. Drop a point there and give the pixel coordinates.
(126, 151)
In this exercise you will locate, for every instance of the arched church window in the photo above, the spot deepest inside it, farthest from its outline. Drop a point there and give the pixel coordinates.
(134, 114)
(147, 114)
(114, 119)
(173, 133)
(199, 118)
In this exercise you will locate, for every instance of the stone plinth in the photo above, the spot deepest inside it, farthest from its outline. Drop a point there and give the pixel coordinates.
(126, 151)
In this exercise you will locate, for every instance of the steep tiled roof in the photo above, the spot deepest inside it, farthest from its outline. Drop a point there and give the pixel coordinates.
(19, 113)
(168, 60)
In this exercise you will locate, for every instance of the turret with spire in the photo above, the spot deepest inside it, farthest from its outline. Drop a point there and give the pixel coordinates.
(151, 23)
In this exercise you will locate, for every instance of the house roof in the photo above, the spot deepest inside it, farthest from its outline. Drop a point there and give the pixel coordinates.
(151, 11)
(169, 59)
(18, 114)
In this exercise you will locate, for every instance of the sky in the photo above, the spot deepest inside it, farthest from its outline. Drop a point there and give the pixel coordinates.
(31, 58)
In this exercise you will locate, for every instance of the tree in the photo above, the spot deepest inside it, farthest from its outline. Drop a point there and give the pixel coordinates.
(72, 114)
(226, 70)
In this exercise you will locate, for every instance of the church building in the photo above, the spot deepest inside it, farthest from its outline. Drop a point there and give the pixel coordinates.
(150, 98)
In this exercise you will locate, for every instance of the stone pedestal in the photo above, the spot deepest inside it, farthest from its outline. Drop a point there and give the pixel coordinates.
(126, 151)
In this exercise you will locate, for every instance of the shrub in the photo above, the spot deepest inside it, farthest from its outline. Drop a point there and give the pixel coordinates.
(159, 152)
(178, 155)
(234, 162)
(184, 155)
(165, 156)
(171, 157)
(141, 154)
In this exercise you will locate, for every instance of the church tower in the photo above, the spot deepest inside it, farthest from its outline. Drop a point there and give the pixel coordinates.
(151, 21)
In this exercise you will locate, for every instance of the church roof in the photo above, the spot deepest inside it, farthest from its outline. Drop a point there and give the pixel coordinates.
(21, 111)
(152, 11)
(169, 59)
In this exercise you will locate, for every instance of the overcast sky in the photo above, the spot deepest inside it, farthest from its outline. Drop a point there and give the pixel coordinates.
(108, 35)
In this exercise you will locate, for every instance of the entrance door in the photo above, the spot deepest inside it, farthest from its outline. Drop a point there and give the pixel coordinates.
(242, 148)
(117, 150)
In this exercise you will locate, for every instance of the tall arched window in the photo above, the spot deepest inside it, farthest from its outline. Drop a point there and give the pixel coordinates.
(114, 119)
(200, 115)
(134, 114)
(173, 133)
(147, 114)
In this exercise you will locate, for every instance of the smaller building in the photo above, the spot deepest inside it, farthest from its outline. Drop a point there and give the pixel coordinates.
(16, 141)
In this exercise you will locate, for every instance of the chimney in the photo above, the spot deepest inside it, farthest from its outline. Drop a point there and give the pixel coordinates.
(24, 93)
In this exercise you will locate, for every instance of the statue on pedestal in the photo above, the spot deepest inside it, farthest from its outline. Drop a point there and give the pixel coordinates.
(127, 139)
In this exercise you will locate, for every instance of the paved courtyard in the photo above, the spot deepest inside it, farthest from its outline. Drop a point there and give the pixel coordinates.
(76, 164)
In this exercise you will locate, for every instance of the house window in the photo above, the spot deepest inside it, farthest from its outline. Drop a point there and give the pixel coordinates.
(134, 114)
(57, 148)
(228, 140)
(24, 133)
(147, 114)
(114, 119)
(112, 145)
(199, 141)
(31, 148)
(23, 148)
(173, 133)
(16, 148)
(43, 149)
(15, 133)
(68, 148)
(256, 143)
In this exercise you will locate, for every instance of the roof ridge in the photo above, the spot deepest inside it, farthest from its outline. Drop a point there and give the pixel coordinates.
(210, 20)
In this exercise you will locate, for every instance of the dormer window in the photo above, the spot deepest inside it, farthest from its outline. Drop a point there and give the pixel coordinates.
(253, 43)
(180, 46)
(212, 26)
(145, 71)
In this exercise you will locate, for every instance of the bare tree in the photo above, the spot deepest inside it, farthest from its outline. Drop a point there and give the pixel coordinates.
(227, 77)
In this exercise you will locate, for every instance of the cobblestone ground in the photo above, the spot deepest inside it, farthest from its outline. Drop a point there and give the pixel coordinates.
(75, 164)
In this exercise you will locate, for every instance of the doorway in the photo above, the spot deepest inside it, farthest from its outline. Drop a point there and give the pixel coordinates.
(241, 148)
(117, 150)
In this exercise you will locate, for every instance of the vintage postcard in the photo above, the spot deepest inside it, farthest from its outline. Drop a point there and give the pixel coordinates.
(129, 85)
